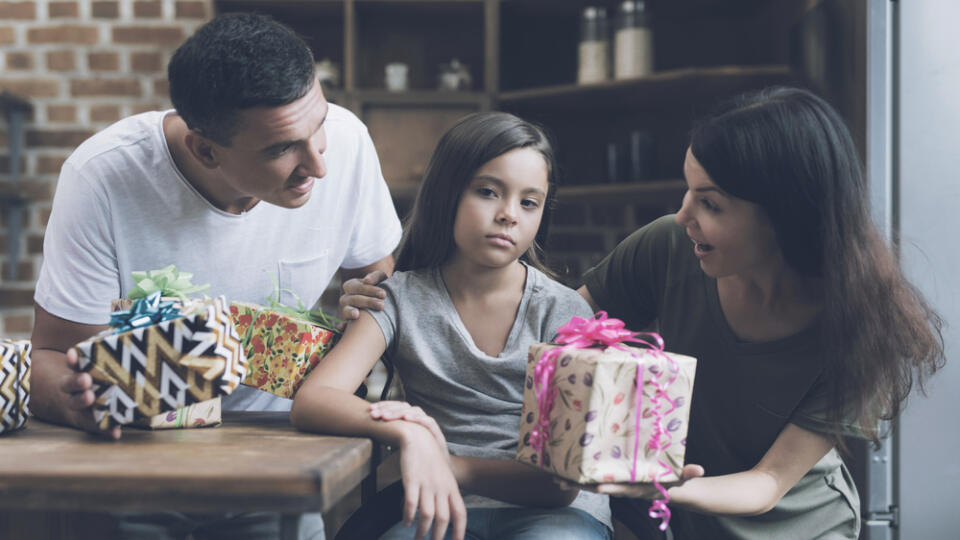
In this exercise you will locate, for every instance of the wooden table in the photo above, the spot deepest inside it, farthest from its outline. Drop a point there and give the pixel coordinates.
(255, 461)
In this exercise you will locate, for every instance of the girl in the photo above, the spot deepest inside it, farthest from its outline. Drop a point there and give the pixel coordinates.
(773, 276)
(468, 300)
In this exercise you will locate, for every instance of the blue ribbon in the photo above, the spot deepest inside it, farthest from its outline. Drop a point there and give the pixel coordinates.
(144, 312)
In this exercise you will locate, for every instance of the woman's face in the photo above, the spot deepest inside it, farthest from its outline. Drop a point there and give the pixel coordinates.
(730, 236)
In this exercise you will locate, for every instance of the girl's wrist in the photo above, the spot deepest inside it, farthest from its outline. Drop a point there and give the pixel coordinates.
(410, 433)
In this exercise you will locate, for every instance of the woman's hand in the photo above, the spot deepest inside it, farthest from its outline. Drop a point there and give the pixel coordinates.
(362, 294)
(637, 491)
(431, 492)
(401, 410)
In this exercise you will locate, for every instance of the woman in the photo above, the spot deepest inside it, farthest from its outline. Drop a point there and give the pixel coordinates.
(773, 276)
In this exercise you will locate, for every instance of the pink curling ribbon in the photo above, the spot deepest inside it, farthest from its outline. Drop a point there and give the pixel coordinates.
(582, 333)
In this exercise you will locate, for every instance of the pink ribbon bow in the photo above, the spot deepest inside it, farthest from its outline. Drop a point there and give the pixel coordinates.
(605, 332)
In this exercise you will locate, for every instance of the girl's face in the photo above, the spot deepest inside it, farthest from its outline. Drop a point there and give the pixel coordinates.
(730, 236)
(500, 210)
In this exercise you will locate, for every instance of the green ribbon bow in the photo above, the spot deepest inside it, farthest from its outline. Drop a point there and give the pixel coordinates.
(168, 281)
(316, 316)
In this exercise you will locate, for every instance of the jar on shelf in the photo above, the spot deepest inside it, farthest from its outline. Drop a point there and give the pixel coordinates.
(395, 76)
(633, 40)
(454, 76)
(594, 64)
(328, 73)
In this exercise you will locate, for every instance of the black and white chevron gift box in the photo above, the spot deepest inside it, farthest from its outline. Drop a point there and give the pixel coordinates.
(171, 364)
(14, 383)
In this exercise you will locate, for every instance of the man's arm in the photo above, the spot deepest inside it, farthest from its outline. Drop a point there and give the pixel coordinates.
(359, 287)
(58, 393)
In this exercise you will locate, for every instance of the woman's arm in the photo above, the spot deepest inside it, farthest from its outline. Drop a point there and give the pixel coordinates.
(511, 482)
(505, 480)
(794, 452)
(326, 403)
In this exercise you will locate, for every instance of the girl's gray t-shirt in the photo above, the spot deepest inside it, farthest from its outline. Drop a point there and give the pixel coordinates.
(474, 397)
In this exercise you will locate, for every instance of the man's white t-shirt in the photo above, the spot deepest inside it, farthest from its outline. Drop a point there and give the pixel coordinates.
(122, 205)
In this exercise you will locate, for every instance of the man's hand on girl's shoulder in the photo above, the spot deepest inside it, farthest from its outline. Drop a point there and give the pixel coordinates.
(362, 294)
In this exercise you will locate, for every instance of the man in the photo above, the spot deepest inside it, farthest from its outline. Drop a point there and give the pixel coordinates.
(253, 178)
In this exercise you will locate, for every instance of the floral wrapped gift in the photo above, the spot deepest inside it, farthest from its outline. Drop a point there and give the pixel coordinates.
(202, 414)
(282, 345)
(159, 357)
(597, 411)
(14, 383)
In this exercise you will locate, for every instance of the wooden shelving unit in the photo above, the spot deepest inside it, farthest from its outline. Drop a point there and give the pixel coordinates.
(362, 36)
(422, 97)
(522, 56)
(674, 86)
(653, 193)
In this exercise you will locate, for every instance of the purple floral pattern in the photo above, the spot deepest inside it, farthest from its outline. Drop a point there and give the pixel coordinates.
(592, 420)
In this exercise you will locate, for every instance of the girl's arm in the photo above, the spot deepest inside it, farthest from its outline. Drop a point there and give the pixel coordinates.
(326, 403)
(756, 491)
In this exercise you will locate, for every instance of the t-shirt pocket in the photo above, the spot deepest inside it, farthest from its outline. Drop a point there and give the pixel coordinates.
(305, 280)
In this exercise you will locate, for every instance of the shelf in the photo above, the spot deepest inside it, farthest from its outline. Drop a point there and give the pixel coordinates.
(671, 9)
(686, 85)
(653, 192)
(422, 97)
(405, 192)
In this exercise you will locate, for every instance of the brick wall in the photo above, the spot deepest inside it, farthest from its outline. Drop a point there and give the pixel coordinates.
(83, 64)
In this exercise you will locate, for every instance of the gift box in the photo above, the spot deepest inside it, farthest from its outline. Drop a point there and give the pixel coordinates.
(590, 431)
(203, 414)
(160, 358)
(281, 347)
(14, 383)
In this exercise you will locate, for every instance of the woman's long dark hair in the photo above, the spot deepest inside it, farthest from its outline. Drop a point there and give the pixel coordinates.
(788, 151)
(463, 149)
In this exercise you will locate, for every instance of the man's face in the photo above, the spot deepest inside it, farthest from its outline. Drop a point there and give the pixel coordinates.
(276, 155)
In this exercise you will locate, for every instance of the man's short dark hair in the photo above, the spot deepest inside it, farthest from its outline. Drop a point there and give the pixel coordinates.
(234, 62)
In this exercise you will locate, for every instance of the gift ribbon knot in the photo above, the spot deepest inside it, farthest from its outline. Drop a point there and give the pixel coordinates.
(144, 312)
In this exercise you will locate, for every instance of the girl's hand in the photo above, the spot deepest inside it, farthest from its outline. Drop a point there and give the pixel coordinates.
(362, 294)
(637, 491)
(401, 410)
(429, 487)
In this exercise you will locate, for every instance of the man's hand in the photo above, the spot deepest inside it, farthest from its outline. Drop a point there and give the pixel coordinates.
(58, 391)
(643, 490)
(78, 387)
(431, 492)
(362, 294)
